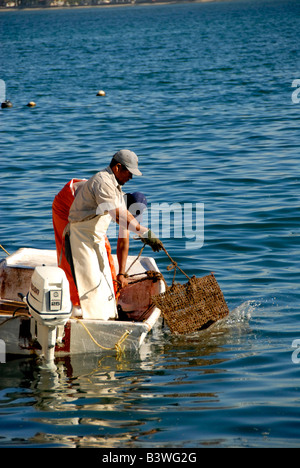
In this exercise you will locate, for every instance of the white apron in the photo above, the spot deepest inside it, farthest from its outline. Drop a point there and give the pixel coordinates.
(92, 270)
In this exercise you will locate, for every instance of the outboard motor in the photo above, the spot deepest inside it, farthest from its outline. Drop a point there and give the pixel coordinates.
(50, 306)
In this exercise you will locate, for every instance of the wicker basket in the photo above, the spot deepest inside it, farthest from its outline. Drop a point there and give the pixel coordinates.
(192, 306)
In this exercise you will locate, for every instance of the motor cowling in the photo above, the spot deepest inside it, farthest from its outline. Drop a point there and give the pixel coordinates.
(48, 298)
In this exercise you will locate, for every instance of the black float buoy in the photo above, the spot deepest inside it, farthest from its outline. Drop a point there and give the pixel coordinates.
(6, 104)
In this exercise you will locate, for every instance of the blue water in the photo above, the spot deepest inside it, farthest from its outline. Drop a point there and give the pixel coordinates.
(203, 93)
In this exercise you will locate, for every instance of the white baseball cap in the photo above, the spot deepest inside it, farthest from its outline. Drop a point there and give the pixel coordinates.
(130, 160)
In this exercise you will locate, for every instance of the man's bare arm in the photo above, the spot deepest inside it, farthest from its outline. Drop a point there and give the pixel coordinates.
(122, 255)
(127, 221)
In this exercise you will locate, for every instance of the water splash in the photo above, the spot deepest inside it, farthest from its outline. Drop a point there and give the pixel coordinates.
(243, 313)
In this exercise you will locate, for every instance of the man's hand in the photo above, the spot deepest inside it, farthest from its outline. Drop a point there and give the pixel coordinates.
(149, 238)
(122, 280)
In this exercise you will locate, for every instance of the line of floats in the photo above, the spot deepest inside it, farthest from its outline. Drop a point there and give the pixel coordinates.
(7, 104)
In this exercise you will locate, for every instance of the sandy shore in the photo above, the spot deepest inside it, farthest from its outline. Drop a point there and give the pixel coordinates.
(119, 5)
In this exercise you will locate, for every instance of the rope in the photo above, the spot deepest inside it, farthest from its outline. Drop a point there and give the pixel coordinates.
(117, 346)
(137, 258)
(153, 275)
(1, 246)
(14, 317)
(149, 274)
(174, 266)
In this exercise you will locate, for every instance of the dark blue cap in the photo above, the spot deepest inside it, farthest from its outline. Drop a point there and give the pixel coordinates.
(137, 202)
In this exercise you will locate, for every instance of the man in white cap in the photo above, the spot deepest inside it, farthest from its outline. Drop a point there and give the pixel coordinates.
(100, 200)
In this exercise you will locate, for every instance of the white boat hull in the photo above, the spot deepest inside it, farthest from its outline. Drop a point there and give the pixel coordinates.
(78, 336)
(76, 340)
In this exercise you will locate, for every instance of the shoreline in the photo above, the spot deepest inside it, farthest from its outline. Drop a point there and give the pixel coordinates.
(108, 5)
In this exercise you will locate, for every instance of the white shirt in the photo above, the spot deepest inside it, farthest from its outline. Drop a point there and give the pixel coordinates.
(97, 196)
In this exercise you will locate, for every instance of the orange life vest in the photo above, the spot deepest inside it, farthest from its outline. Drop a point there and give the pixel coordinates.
(60, 213)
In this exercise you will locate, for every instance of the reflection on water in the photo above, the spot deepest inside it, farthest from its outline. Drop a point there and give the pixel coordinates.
(107, 402)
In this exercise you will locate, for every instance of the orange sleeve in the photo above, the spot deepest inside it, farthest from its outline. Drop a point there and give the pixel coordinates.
(60, 213)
